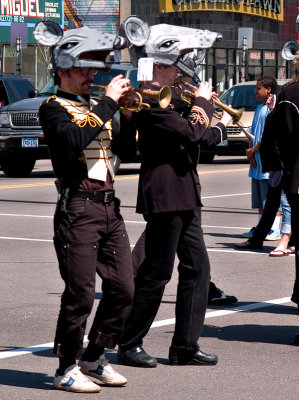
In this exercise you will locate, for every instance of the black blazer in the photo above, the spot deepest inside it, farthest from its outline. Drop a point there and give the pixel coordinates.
(282, 130)
(168, 177)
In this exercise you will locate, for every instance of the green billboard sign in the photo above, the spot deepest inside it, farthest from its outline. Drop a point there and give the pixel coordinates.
(30, 11)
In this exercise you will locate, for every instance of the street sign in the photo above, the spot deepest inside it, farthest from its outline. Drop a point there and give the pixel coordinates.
(18, 30)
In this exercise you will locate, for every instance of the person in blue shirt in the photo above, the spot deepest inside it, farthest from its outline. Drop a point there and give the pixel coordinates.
(266, 88)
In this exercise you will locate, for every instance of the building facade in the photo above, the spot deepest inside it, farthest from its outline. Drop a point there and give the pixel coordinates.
(254, 32)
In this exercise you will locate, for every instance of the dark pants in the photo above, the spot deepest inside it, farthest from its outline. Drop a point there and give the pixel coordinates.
(271, 207)
(90, 238)
(293, 200)
(138, 256)
(166, 235)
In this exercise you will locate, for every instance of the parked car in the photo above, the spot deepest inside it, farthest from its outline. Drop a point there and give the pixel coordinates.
(241, 95)
(14, 88)
(21, 137)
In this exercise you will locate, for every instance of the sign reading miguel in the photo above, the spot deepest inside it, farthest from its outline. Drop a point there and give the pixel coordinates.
(30, 11)
(272, 9)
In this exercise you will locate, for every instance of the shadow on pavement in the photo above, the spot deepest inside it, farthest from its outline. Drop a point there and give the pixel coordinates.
(253, 333)
(25, 379)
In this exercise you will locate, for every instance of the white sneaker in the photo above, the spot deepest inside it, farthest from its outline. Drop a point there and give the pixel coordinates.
(74, 381)
(100, 369)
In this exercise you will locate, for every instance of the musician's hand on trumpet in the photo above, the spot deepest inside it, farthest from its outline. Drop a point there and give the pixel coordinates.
(204, 90)
(118, 87)
(225, 118)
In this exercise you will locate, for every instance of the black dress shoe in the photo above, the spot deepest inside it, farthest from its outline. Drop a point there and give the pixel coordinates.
(136, 357)
(218, 297)
(191, 357)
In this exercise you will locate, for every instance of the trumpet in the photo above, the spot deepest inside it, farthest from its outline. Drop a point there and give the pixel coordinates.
(188, 97)
(133, 100)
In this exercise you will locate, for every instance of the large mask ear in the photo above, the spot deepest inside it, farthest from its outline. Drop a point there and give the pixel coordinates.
(135, 30)
(47, 33)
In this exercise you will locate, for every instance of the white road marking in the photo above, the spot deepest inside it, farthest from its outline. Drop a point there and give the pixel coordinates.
(26, 215)
(165, 322)
(29, 239)
(225, 195)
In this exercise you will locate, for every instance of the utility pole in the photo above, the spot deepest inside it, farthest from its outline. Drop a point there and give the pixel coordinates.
(244, 58)
(19, 55)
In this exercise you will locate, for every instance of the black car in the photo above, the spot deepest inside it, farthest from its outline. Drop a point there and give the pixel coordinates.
(14, 88)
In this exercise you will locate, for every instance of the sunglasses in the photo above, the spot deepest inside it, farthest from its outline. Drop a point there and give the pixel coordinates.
(87, 71)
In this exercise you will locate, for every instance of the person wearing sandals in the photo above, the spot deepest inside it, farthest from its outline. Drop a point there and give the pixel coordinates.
(276, 198)
(281, 132)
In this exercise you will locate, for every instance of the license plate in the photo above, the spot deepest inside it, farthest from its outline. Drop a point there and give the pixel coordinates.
(223, 143)
(29, 142)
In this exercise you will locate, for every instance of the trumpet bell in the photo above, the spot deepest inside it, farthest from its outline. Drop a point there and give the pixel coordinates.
(132, 101)
(290, 49)
(163, 96)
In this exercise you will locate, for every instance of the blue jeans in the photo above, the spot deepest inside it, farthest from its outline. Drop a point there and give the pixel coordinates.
(259, 192)
(276, 199)
(285, 214)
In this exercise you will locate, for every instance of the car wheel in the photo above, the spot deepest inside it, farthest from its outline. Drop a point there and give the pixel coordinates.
(17, 165)
(206, 158)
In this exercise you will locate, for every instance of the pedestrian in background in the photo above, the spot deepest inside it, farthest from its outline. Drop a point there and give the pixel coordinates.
(281, 131)
(266, 88)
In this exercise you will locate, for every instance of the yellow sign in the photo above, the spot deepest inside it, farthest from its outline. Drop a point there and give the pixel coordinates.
(272, 9)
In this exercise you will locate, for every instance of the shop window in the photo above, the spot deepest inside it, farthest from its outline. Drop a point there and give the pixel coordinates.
(220, 57)
(255, 58)
(231, 56)
(269, 58)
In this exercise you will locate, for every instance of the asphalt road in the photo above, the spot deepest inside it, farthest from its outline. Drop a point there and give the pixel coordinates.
(253, 339)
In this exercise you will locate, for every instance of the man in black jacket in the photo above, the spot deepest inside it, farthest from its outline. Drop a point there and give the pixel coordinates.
(169, 199)
(89, 233)
(282, 132)
(211, 138)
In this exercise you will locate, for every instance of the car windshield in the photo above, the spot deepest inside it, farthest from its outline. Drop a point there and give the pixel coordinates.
(241, 97)
(23, 87)
(48, 89)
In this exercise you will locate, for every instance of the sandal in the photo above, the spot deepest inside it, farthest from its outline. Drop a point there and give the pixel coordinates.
(278, 253)
(291, 250)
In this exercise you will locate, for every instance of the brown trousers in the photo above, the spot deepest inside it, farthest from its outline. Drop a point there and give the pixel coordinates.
(90, 238)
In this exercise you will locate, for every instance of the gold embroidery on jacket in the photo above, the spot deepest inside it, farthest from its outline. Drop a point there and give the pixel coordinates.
(97, 155)
(80, 112)
(199, 115)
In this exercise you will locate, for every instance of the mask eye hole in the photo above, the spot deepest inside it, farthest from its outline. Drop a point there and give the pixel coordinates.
(167, 44)
(69, 45)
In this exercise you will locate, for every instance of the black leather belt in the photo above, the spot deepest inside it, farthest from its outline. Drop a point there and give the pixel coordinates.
(98, 197)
